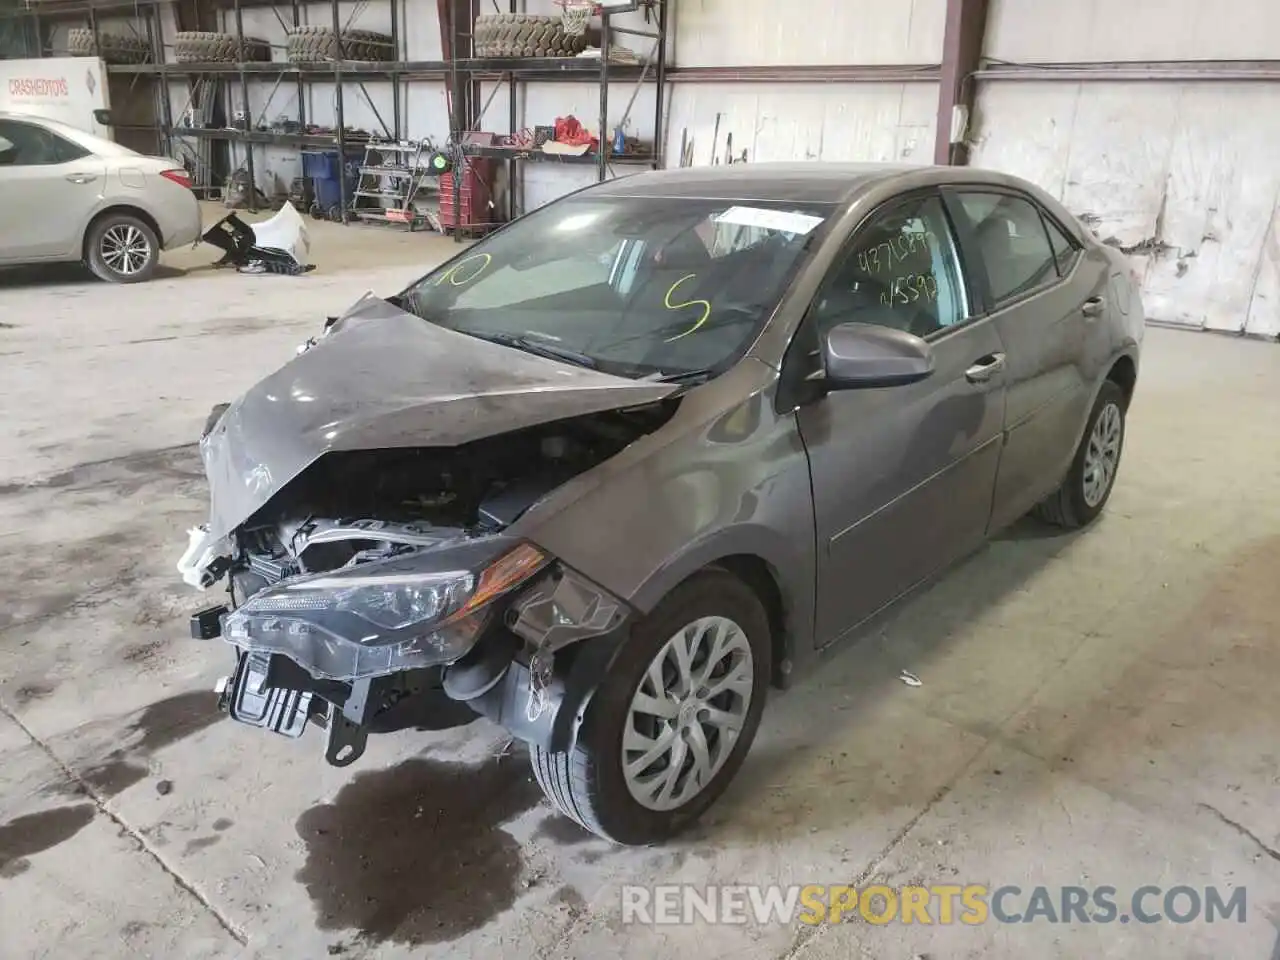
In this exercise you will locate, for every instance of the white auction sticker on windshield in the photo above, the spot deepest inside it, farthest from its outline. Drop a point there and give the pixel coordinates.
(784, 220)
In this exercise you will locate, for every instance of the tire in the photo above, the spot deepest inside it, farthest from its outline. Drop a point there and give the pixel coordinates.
(80, 42)
(587, 783)
(312, 44)
(320, 44)
(205, 46)
(1070, 506)
(523, 35)
(367, 45)
(107, 259)
(111, 47)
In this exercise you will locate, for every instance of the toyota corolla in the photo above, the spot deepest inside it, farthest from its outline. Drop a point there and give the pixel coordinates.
(611, 473)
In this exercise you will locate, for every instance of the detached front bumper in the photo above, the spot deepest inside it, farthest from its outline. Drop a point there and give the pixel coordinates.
(532, 670)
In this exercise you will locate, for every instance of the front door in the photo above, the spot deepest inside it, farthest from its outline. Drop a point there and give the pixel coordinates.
(1041, 296)
(902, 476)
(48, 187)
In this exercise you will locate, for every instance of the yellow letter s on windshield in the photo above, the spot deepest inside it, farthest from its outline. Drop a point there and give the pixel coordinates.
(706, 308)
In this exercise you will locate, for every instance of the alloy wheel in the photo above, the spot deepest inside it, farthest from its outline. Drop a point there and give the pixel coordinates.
(125, 249)
(687, 712)
(1102, 456)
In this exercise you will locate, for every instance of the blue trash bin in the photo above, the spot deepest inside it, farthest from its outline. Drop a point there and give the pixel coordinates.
(323, 169)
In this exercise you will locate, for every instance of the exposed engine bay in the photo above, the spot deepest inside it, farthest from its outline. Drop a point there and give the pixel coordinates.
(352, 507)
(377, 590)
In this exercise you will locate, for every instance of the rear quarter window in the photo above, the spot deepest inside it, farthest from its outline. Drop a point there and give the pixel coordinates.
(1014, 242)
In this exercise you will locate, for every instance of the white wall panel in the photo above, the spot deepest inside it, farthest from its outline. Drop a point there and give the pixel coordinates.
(1178, 171)
(768, 32)
(805, 121)
(1105, 30)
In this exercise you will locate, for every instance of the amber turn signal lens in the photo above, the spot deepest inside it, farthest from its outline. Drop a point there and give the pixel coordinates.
(505, 573)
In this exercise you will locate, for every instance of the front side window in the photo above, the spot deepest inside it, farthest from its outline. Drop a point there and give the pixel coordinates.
(1013, 242)
(900, 271)
(35, 146)
(637, 286)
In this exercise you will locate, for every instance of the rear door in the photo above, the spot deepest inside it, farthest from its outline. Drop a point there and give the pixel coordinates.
(48, 187)
(902, 476)
(1044, 299)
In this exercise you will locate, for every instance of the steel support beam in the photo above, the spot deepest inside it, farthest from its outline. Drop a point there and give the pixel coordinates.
(961, 52)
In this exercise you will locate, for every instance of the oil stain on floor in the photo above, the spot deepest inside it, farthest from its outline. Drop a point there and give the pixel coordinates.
(156, 726)
(414, 853)
(36, 832)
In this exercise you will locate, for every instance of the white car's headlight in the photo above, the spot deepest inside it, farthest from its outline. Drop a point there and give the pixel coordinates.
(385, 616)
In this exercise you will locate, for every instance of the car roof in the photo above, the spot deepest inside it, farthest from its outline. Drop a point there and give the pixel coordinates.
(819, 182)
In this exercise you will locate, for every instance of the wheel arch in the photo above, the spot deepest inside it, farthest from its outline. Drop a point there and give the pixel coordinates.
(762, 559)
(1124, 374)
(127, 209)
(763, 580)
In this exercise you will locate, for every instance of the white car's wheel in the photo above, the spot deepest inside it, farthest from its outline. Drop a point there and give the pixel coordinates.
(122, 249)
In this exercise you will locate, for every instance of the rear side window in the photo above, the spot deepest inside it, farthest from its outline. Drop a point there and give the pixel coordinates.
(35, 146)
(1013, 241)
(1064, 251)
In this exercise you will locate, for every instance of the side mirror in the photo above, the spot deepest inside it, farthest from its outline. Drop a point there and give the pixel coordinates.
(859, 356)
(6, 150)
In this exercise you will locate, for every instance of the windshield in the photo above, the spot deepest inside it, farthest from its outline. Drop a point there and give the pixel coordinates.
(636, 286)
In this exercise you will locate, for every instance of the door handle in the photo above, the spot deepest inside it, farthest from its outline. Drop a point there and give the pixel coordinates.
(1093, 307)
(985, 368)
(82, 177)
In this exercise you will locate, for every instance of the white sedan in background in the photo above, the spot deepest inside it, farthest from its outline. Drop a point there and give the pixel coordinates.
(67, 195)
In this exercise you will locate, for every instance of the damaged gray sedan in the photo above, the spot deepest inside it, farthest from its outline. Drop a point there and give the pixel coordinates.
(611, 473)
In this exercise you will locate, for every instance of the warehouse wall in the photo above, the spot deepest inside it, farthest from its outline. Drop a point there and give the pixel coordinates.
(1133, 30)
(717, 33)
(1181, 173)
(770, 121)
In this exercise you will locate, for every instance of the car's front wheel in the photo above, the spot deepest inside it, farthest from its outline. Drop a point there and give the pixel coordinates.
(1092, 475)
(122, 249)
(670, 725)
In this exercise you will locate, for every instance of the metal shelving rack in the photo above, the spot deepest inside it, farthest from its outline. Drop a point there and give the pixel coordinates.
(337, 72)
(463, 71)
(462, 75)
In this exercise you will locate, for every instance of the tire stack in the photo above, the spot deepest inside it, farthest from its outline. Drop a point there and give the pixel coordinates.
(321, 44)
(111, 47)
(524, 35)
(205, 46)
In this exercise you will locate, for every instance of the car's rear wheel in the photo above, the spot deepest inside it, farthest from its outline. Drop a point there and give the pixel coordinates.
(1092, 475)
(670, 725)
(122, 249)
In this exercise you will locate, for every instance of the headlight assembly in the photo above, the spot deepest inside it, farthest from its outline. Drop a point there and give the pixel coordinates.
(386, 616)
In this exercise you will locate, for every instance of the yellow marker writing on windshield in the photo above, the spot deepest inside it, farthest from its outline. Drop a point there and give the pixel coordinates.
(706, 308)
(451, 275)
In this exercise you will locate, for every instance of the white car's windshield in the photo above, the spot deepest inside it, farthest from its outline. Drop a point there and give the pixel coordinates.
(638, 286)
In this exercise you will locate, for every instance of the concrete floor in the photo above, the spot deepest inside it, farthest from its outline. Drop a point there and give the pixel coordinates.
(1095, 709)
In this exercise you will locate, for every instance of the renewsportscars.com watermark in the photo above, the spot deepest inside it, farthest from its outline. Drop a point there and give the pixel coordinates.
(971, 904)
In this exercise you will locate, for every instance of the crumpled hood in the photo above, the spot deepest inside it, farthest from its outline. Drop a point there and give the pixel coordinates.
(384, 378)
